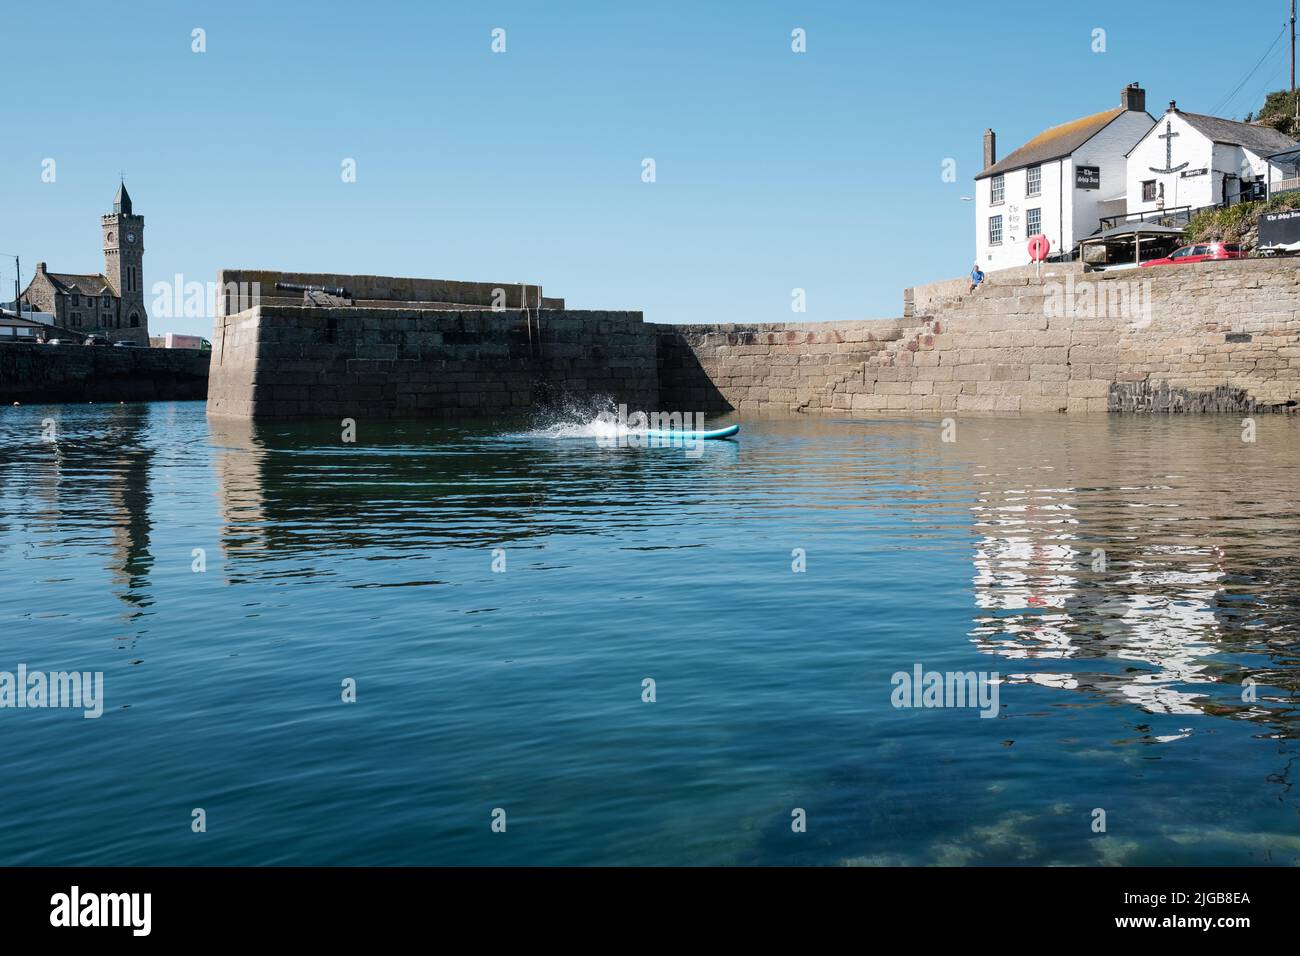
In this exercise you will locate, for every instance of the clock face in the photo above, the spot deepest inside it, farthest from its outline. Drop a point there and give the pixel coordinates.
(130, 237)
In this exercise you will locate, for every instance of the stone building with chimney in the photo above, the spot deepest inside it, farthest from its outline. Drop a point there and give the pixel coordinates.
(1057, 184)
(110, 303)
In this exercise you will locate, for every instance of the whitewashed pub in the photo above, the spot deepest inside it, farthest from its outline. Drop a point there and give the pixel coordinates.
(1094, 177)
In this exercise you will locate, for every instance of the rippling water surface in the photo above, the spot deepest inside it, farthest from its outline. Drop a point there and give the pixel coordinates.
(1132, 581)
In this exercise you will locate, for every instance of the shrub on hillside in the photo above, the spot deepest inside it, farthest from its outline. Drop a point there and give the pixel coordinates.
(1238, 223)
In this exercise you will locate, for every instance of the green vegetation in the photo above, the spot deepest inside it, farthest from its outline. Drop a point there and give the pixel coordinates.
(1279, 112)
(1238, 223)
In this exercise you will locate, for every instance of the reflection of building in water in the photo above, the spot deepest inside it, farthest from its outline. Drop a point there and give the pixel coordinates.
(77, 485)
(129, 498)
(1133, 563)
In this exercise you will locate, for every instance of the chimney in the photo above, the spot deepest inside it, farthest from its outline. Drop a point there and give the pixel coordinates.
(1133, 98)
(1173, 106)
(990, 148)
(40, 267)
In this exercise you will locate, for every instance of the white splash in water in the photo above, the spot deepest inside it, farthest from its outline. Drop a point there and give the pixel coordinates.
(572, 418)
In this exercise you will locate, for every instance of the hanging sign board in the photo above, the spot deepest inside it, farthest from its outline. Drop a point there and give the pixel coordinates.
(1087, 177)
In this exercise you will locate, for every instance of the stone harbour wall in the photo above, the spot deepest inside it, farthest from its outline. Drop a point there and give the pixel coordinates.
(31, 373)
(242, 289)
(1216, 337)
(1213, 337)
(764, 369)
(280, 361)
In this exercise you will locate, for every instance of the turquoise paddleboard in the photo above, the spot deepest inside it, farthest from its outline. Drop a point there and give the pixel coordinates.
(692, 435)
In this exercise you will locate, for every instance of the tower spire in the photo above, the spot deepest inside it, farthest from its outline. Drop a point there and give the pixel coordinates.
(122, 201)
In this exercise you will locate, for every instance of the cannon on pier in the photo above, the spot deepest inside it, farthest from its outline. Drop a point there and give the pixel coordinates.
(318, 295)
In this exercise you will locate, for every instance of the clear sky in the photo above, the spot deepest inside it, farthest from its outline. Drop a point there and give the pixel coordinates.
(774, 170)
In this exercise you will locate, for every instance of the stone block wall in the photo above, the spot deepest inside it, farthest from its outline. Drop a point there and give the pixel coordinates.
(31, 373)
(279, 361)
(376, 291)
(1212, 337)
(765, 369)
(929, 298)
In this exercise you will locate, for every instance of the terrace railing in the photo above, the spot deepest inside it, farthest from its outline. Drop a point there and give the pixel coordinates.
(1172, 216)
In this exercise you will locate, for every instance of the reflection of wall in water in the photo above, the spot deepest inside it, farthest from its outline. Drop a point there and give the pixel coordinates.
(291, 489)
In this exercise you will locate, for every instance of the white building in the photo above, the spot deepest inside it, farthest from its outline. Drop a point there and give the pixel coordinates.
(1056, 184)
(1189, 161)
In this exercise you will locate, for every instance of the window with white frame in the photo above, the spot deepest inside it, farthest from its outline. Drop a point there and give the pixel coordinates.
(998, 188)
(995, 230)
(1034, 221)
(1034, 181)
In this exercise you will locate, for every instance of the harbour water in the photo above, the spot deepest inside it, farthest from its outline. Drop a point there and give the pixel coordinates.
(501, 592)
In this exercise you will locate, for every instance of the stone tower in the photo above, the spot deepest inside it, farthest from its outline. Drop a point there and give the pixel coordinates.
(123, 267)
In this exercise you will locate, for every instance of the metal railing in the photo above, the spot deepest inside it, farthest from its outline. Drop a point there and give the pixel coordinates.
(1172, 216)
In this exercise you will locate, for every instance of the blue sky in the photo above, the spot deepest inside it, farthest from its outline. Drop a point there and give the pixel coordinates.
(775, 170)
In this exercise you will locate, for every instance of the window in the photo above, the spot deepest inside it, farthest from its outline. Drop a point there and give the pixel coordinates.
(1034, 181)
(1149, 190)
(135, 321)
(1034, 221)
(995, 230)
(998, 187)
(105, 302)
(76, 299)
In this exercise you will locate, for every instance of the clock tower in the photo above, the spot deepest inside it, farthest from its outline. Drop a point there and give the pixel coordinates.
(123, 257)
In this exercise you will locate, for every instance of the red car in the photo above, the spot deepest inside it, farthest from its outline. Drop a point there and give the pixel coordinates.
(1205, 252)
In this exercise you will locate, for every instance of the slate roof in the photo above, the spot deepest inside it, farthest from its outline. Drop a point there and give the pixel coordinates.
(1258, 139)
(9, 319)
(85, 285)
(1055, 143)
